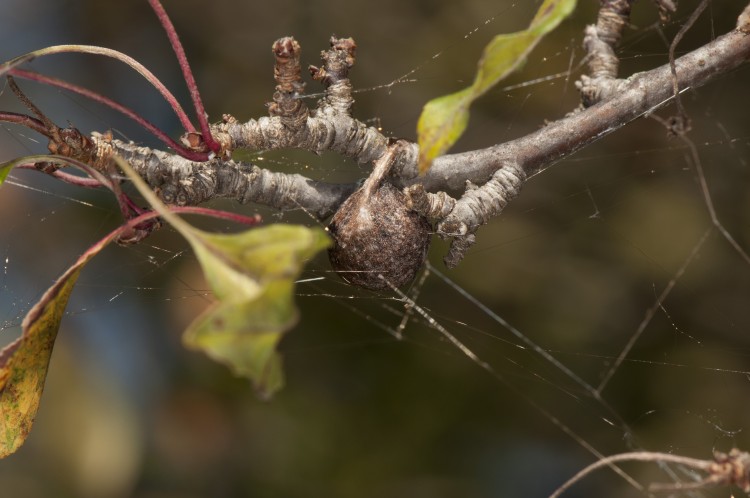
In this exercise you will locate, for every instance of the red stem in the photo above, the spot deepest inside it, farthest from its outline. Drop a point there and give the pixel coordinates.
(107, 52)
(98, 180)
(79, 181)
(96, 97)
(187, 73)
(213, 213)
(27, 121)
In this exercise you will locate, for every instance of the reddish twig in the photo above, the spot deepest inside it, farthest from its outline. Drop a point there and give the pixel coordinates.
(133, 231)
(24, 120)
(101, 99)
(107, 52)
(124, 234)
(25, 162)
(78, 181)
(187, 73)
(221, 215)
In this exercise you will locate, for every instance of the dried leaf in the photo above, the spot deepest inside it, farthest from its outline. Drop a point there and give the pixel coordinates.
(23, 363)
(444, 119)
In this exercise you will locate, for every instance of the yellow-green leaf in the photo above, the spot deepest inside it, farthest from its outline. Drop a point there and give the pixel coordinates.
(442, 122)
(444, 119)
(23, 363)
(252, 275)
(244, 334)
(4, 171)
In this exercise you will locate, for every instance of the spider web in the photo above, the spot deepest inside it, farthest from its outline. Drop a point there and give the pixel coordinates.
(603, 312)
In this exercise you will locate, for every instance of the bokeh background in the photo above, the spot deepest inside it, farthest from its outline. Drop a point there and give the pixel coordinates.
(574, 264)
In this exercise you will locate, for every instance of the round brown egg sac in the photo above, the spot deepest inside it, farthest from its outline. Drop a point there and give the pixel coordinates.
(376, 235)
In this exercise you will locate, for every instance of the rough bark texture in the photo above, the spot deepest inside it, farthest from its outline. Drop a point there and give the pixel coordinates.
(182, 182)
(641, 94)
(328, 129)
(488, 178)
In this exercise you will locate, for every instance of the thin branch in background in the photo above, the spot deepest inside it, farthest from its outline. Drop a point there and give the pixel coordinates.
(695, 159)
(548, 357)
(218, 214)
(680, 127)
(729, 469)
(651, 312)
(128, 209)
(681, 123)
(187, 73)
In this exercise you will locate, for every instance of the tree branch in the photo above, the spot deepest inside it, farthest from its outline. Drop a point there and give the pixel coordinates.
(600, 43)
(498, 171)
(641, 94)
(502, 169)
(182, 182)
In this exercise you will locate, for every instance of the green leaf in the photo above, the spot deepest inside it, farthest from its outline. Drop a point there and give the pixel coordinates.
(4, 171)
(441, 124)
(444, 119)
(24, 362)
(252, 275)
